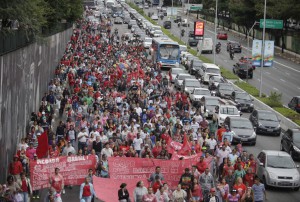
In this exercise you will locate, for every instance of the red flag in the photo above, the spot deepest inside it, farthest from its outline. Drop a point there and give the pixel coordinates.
(186, 147)
(42, 148)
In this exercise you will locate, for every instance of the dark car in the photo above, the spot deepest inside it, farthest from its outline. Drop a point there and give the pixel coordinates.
(191, 34)
(126, 20)
(243, 70)
(195, 66)
(167, 24)
(209, 103)
(243, 101)
(224, 90)
(243, 130)
(290, 142)
(236, 46)
(192, 41)
(294, 104)
(265, 122)
(177, 19)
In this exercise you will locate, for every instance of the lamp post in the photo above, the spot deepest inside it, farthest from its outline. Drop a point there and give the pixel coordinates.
(263, 50)
(187, 22)
(216, 21)
(248, 40)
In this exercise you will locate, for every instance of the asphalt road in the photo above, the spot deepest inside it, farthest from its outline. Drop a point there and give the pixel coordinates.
(283, 77)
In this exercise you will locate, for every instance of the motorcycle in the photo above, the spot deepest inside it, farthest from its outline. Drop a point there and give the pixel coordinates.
(182, 33)
(231, 55)
(178, 24)
(116, 31)
(218, 49)
(161, 17)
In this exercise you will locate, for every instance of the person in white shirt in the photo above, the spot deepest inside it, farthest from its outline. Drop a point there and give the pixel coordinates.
(22, 145)
(107, 150)
(198, 117)
(103, 138)
(69, 149)
(138, 109)
(82, 138)
(195, 125)
(221, 154)
(212, 143)
(137, 144)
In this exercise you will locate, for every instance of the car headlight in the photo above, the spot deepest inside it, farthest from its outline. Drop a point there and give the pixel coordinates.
(259, 124)
(253, 135)
(251, 105)
(297, 177)
(278, 126)
(296, 149)
(272, 175)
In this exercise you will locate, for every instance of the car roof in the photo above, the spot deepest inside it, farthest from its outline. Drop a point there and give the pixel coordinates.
(274, 152)
(234, 118)
(264, 111)
(184, 74)
(203, 89)
(210, 65)
(295, 130)
(191, 79)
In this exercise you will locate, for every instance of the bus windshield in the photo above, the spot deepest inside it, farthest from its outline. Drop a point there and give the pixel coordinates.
(169, 52)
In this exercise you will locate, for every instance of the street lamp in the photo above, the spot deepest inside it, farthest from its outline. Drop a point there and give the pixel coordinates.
(263, 49)
(248, 38)
(216, 21)
(187, 22)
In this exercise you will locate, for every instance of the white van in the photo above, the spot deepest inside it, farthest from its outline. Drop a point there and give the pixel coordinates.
(207, 70)
(206, 45)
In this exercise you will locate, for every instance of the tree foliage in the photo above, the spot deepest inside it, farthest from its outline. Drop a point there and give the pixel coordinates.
(32, 15)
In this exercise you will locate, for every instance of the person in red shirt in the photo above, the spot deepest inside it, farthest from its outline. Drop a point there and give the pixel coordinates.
(25, 185)
(240, 186)
(16, 168)
(87, 190)
(202, 165)
(239, 161)
(157, 184)
(249, 178)
(57, 181)
(220, 132)
(228, 167)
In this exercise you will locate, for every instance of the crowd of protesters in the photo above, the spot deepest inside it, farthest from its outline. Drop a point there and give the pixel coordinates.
(113, 101)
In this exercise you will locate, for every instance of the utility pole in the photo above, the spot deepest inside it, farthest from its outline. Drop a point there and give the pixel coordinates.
(263, 50)
(216, 22)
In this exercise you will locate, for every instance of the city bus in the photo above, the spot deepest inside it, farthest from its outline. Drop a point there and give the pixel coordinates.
(165, 51)
(117, 11)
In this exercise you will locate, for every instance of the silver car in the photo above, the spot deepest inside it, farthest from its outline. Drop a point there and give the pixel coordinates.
(179, 80)
(277, 169)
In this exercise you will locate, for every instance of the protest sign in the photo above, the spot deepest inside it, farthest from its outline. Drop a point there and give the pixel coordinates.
(73, 168)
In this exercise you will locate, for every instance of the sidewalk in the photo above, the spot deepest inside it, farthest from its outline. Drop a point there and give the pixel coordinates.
(288, 55)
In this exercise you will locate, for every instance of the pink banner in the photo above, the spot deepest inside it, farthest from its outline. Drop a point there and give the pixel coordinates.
(140, 169)
(73, 168)
(195, 157)
(109, 192)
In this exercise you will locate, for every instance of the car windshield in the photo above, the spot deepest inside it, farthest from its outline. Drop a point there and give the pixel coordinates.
(158, 32)
(182, 77)
(229, 110)
(148, 40)
(194, 83)
(217, 79)
(177, 71)
(213, 70)
(243, 124)
(296, 137)
(226, 87)
(201, 92)
(212, 102)
(244, 65)
(267, 116)
(276, 161)
(197, 64)
(183, 48)
(169, 52)
(242, 96)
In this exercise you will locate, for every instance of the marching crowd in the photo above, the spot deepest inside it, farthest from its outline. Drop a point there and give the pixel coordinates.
(113, 101)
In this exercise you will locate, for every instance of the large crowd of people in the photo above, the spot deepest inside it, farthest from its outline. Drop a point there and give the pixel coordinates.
(111, 101)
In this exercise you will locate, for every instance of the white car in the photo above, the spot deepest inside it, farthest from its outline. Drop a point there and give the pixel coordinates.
(147, 42)
(154, 17)
(277, 169)
(225, 111)
(158, 33)
(179, 79)
(189, 84)
(173, 73)
(197, 94)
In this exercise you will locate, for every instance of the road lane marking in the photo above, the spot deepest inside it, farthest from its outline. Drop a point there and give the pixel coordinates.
(282, 80)
(287, 73)
(268, 73)
(275, 89)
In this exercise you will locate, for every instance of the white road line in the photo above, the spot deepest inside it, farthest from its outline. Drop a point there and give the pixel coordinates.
(275, 89)
(268, 73)
(287, 73)
(282, 80)
(258, 79)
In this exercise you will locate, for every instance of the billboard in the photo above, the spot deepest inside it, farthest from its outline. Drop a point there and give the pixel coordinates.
(269, 53)
(199, 28)
(256, 52)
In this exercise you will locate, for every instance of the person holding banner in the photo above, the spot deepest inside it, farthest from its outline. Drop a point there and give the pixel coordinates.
(157, 173)
(86, 191)
(57, 181)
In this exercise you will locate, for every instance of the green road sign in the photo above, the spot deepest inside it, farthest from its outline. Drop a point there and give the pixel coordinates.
(272, 24)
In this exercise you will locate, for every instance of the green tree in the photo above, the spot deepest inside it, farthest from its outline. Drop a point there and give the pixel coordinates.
(243, 13)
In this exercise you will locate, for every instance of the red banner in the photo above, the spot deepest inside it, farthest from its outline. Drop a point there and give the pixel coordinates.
(112, 186)
(195, 157)
(73, 168)
(141, 168)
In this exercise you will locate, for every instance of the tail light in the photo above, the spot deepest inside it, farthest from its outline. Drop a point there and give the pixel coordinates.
(298, 105)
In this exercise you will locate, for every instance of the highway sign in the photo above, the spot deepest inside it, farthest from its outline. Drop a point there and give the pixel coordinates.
(272, 24)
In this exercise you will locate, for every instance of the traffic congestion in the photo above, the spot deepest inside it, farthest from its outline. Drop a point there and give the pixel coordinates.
(125, 90)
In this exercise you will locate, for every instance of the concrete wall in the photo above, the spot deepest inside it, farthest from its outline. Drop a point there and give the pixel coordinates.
(24, 75)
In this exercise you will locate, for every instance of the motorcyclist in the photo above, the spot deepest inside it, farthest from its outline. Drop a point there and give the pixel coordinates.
(182, 32)
(231, 52)
(218, 47)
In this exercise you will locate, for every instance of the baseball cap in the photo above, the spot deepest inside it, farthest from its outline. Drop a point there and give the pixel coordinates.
(212, 190)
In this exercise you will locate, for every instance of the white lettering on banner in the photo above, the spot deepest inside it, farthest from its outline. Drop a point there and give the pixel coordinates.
(128, 177)
(175, 146)
(76, 158)
(46, 161)
(124, 164)
(120, 170)
(143, 170)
